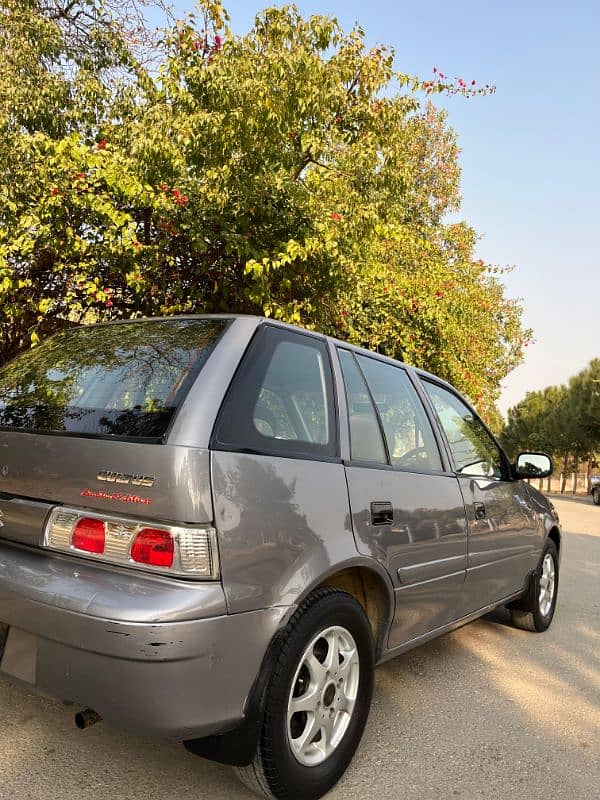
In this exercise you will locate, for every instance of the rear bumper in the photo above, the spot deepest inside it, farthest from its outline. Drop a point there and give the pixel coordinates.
(183, 678)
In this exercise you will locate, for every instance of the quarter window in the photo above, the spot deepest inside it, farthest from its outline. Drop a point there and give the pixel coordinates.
(410, 438)
(281, 400)
(473, 450)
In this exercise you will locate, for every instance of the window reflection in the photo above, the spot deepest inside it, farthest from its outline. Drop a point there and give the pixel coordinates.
(125, 379)
(473, 450)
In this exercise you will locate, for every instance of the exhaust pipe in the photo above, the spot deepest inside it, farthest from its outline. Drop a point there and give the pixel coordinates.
(86, 718)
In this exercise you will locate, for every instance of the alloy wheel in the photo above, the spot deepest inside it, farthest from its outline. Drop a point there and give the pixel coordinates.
(323, 695)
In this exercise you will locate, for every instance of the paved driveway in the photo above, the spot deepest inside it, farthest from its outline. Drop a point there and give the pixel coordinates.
(484, 712)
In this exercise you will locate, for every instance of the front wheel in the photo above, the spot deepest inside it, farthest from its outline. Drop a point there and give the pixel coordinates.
(536, 610)
(596, 495)
(318, 700)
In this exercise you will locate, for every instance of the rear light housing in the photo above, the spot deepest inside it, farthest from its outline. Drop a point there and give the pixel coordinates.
(184, 552)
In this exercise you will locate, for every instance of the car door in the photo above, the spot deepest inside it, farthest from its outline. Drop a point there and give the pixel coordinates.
(502, 525)
(407, 508)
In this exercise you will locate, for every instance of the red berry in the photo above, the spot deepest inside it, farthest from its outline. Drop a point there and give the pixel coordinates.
(336, 217)
(102, 144)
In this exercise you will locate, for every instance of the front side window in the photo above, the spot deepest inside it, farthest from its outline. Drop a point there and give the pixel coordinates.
(410, 438)
(124, 380)
(473, 450)
(281, 400)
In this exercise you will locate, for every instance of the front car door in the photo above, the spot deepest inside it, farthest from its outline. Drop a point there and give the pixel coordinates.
(503, 528)
(407, 508)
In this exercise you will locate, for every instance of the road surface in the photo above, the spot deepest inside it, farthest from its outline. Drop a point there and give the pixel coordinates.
(484, 712)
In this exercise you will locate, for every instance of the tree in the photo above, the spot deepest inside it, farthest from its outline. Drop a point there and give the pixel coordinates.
(585, 391)
(561, 420)
(275, 173)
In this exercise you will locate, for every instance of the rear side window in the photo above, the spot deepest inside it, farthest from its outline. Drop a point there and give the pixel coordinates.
(366, 442)
(281, 399)
(410, 439)
(125, 380)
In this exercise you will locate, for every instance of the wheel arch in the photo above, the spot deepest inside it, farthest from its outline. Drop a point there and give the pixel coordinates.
(371, 586)
(555, 535)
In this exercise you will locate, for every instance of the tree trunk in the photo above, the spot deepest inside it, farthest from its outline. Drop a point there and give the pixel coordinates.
(588, 474)
(563, 482)
(575, 473)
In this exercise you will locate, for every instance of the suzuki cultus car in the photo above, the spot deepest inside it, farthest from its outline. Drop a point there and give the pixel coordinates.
(213, 528)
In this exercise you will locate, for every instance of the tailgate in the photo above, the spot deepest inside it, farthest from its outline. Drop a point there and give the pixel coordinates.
(156, 481)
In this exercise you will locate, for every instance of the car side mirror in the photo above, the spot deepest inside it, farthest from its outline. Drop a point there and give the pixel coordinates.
(533, 465)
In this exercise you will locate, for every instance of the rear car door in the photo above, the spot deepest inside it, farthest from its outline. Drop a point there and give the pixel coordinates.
(503, 528)
(407, 509)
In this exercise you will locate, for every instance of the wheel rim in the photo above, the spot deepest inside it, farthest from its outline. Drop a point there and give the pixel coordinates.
(547, 584)
(323, 696)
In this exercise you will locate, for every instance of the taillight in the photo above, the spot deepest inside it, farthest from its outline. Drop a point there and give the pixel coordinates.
(154, 547)
(188, 552)
(89, 535)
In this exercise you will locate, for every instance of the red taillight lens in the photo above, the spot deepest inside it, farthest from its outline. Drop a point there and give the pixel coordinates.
(89, 535)
(154, 547)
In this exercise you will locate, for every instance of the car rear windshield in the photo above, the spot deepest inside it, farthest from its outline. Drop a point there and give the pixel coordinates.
(124, 381)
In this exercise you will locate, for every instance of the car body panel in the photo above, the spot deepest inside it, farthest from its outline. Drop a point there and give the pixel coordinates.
(505, 544)
(424, 549)
(65, 469)
(283, 524)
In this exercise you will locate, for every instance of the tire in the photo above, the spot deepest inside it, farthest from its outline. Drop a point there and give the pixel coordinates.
(596, 496)
(534, 612)
(283, 767)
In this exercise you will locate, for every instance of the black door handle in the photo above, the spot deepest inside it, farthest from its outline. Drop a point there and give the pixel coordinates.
(479, 510)
(382, 513)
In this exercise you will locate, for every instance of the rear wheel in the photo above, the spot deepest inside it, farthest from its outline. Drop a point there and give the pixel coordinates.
(535, 611)
(596, 495)
(318, 700)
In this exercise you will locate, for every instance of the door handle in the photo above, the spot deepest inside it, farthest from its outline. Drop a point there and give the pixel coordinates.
(382, 513)
(479, 510)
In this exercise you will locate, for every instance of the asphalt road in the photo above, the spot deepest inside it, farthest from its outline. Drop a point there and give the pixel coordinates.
(485, 712)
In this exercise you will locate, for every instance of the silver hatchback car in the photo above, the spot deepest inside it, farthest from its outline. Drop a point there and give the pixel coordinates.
(213, 528)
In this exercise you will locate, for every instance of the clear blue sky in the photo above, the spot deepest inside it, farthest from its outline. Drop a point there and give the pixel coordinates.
(530, 153)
